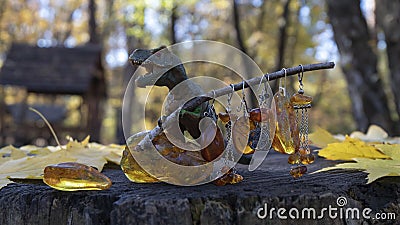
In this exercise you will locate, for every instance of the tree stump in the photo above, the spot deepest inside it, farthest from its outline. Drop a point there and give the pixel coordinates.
(270, 186)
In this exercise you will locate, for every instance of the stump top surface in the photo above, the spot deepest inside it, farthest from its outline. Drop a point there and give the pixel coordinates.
(125, 201)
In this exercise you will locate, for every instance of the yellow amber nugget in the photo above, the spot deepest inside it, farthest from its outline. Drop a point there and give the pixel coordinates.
(240, 134)
(298, 171)
(307, 159)
(286, 139)
(294, 158)
(72, 176)
(300, 99)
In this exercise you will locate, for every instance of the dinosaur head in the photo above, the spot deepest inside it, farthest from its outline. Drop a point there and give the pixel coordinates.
(158, 63)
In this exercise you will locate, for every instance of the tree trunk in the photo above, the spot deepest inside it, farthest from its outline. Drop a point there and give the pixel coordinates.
(93, 37)
(242, 47)
(174, 17)
(388, 19)
(359, 64)
(282, 40)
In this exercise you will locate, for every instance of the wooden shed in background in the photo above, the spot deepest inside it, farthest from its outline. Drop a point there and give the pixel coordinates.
(55, 72)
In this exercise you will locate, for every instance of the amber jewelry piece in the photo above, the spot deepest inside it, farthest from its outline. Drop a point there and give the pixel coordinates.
(229, 177)
(298, 171)
(301, 99)
(294, 158)
(286, 139)
(133, 171)
(260, 114)
(224, 117)
(72, 176)
(307, 159)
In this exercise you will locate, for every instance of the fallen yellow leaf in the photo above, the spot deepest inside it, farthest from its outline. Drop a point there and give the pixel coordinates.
(321, 137)
(349, 149)
(29, 162)
(376, 168)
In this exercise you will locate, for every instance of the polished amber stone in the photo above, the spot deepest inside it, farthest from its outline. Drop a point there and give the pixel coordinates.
(72, 176)
(300, 99)
(215, 149)
(228, 178)
(260, 114)
(304, 151)
(298, 171)
(133, 171)
(224, 117)
(307, 159)
(240, 133)
(286, 139)
(294, 159)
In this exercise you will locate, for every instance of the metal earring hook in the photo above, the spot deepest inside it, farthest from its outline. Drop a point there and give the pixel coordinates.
(228, 107)
(243, 103)
(213, 91)
(280, 86)
(300, 77)
(261, 81)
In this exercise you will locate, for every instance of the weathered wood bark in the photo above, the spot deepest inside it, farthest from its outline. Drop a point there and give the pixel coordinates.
(359, 64)
(131, 203)
(388, 19)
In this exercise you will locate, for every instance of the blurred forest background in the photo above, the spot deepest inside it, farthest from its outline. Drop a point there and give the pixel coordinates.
(362, 37)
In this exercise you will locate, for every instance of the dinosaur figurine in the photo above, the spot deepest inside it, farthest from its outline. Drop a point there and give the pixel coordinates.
(165, 69)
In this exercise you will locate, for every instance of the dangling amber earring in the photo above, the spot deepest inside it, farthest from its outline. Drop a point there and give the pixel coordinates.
(286, 139)
(228, 171)
(301, 103)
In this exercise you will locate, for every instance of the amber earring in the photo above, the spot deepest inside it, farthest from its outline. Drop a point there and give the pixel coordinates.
(301, 103)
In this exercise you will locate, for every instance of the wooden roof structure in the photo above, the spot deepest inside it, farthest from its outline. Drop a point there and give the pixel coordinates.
(54, 70)
(59, 71)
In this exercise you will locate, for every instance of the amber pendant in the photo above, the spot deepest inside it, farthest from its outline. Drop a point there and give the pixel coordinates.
(286, 139)
(240, 135)
(72, 176)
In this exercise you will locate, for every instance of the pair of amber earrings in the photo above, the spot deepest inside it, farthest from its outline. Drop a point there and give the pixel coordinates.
(250, 131)
(291, 135)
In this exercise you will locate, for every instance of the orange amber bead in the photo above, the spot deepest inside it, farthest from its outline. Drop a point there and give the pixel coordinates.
(260, 114)
(294, 159)
(298, 171)
(300, 99)
(224, 117)
(304, 151)
(72, 176)
(307, 159)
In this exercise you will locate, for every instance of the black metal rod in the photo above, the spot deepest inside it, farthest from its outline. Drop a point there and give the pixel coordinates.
(193, 103)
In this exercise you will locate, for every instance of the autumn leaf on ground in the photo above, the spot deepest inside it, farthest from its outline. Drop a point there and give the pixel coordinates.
(376, 168)
(321, 138)
(349, 149)
(29, 163)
